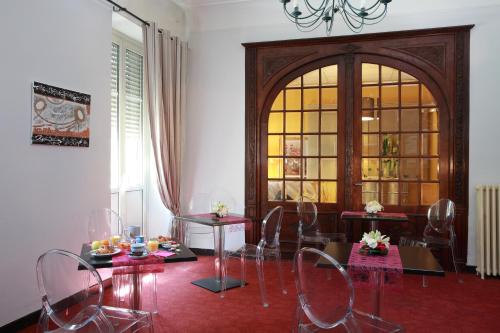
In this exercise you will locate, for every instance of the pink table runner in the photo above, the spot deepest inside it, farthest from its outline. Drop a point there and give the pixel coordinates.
(360, 265)
(123, 259)
(233, 219)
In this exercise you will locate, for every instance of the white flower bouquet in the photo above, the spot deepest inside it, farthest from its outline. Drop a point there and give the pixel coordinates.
(220, 209)
(373, 207)
(374, 243)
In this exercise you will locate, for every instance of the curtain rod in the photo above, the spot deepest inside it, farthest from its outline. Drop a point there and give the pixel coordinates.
(123, 9)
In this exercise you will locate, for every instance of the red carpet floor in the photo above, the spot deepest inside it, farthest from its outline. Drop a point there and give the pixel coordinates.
(444, 306)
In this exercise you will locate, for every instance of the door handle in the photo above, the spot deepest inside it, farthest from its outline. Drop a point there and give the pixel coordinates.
(358, 184)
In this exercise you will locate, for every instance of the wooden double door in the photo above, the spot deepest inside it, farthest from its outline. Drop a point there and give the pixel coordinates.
(344, 121)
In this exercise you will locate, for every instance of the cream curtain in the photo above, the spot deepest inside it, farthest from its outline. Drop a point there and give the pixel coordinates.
(165, 59)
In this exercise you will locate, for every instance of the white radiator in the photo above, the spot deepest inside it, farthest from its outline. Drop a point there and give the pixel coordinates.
(488, 230)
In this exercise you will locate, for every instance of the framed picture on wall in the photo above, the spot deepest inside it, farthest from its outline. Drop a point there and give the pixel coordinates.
(60, 117)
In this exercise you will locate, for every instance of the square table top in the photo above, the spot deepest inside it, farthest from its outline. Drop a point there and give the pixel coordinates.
(415, 260)
(184, 255)
(213, 221)
(381, 216)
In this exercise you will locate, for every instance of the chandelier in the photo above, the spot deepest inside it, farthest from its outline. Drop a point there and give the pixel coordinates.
(312, 13)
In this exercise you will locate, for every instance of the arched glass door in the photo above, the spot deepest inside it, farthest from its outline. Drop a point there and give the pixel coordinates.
(302, 139)
(399, 152)
(395, 141)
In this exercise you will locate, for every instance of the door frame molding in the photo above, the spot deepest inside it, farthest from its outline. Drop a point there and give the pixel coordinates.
(441, 53)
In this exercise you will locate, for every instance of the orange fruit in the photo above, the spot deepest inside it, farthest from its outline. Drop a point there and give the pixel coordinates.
(105, 242)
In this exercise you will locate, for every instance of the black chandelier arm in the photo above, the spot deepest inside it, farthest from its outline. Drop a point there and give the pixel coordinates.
(290, 14)
(309, 17)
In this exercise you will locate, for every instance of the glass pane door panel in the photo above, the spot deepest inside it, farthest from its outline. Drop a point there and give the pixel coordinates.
(329, 192)
(409, 194)
(275, 122)
(328, 168)
(329, 145)
(275, 190)
(390, 193)
(292, 145)
(389, 145)
(275, 168)
(311, 99)
(430, 169)
(329, 76)
(293, 122)
(297, 83)
(371, 126)
(410, 120)
(427, 98)
(390, 121)
(311, 79)
(430, 144)
(275, 145)
(311, 122)
(278, 103)
(370, 74)
(370, 168)
(311, 168)
(370, 145)
(310, 190)
(430, 119)
(329, 121)
(292, 190)
(429, 193)
(409, 168)
(329, 98)
(292, 167)
(370, 192)
(293, 99)
(390, 96)
(409, 95)
(311, 145)
(409, 145)
(390, 169)
(389, 75)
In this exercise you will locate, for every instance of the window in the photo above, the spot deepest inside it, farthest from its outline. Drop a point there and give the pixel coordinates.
(127, 152)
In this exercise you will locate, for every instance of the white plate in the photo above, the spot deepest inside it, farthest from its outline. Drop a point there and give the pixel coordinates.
(93, 253)
(144, 255)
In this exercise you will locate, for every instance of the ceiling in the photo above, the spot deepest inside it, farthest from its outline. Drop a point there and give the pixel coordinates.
(198, 3)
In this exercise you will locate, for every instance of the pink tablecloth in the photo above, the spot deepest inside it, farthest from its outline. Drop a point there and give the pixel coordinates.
(359, 266)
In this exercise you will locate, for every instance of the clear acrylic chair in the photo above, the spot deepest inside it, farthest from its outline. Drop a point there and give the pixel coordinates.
(438, 233)
(308, 226)
(326, 297)
(268, 247)
(72, 295)
(104, 223)
(200, 203)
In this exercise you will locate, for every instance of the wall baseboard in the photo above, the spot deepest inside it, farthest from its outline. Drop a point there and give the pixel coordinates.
(32, 318)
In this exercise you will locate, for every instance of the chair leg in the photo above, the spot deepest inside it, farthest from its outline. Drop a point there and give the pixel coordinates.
(243, 268)
(155, 293)
(280, 271)
(424, 281)
(299, 245)
(260, 272)
(452, 246)
(43, 322)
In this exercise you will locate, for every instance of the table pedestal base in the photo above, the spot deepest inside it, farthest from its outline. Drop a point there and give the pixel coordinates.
(214, 285)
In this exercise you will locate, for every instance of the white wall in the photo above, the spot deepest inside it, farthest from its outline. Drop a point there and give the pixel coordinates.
(46, 192)
(214, 153)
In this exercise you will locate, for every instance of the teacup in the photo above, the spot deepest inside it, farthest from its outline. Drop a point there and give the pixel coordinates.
(137, 249)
